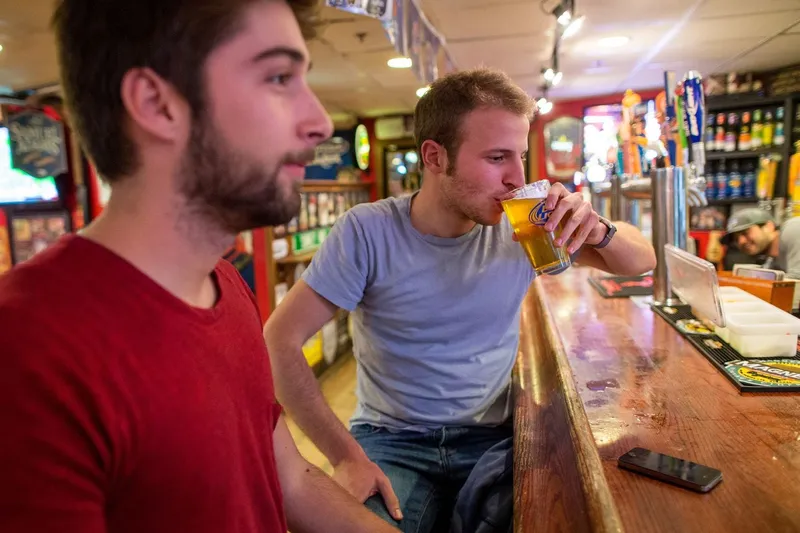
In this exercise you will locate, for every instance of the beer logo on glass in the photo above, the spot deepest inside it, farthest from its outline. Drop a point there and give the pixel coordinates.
(539, 215)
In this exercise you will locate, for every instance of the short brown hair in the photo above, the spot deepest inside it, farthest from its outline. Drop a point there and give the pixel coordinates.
(100, 40)
(441, 111)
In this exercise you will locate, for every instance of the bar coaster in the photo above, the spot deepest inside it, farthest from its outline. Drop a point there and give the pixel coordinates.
(748, 375)
(623, 286)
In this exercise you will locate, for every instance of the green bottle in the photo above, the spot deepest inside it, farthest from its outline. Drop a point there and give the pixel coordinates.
(768, 132)
(780, 138)
(757, 131)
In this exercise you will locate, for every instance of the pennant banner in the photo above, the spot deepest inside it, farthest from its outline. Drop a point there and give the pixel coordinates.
(413, 36)
(395, 27)
(423, 44)
(380, 9)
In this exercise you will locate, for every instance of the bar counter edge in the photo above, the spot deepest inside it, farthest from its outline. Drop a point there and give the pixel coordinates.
(595, 377)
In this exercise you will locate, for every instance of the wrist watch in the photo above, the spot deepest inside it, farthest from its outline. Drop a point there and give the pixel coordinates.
(612, 230)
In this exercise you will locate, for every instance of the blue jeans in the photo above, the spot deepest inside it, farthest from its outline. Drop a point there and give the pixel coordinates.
(427, 470)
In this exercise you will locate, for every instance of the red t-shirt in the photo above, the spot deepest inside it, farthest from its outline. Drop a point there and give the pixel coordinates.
(123, 409)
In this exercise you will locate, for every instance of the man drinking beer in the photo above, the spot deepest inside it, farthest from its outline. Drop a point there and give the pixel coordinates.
(435, 282)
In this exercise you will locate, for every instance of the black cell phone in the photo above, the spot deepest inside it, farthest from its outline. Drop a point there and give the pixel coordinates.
(679, 472)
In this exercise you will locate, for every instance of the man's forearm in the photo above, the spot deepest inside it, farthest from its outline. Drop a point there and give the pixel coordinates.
(298, 391)
(317, 504)
(628, 254)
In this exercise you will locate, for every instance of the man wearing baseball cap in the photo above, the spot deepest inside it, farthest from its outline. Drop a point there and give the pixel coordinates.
(755, 233)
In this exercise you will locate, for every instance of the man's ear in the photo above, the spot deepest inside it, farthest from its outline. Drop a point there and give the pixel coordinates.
(434, 157)
(153, 104)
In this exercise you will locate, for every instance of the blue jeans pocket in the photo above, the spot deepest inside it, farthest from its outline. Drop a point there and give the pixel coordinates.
(364, 430)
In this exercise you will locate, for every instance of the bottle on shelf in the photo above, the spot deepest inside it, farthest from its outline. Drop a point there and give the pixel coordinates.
(734, 181)
(731, 132)
(765, 179)
(749, 180)
(768, 133)
(794, 180)
(796, 128)
(711, 143)
(719, 135)
(780, 137)
(711, 192)
(757, 131)
(303, 220)
(744, 132)
(721, 178)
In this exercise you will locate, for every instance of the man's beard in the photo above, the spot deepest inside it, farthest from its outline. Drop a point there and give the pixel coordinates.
(455, 200)
(231, 191)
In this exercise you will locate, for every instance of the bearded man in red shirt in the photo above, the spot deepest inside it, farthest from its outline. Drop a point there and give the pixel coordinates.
(135, 387)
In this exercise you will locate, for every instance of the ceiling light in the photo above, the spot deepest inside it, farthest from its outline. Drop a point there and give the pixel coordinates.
(544, 106)
(422, 90)
(549, 74)
(562, 14)
(573, 27)
(557, 78)
(1, 47)
(399, 62)
(614, 42)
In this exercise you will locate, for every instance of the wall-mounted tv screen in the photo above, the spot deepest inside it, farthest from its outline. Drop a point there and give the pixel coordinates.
(17, 187)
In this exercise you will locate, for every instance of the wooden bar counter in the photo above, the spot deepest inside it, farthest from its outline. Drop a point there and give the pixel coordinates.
(596, 377)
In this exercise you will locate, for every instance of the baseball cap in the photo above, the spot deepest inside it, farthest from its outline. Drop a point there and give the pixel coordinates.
(744, 219)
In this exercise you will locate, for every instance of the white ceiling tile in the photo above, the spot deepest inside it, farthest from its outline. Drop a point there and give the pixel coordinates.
(588, 45)
(328, 14)
(515, 55)
(361, 34)
(492, 20)
(622, 15)
(762, 25)
(781, 51)
(718, 8)
(721, 50)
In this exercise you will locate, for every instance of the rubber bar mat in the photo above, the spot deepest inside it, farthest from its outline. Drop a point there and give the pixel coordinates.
(748, 375)
(623, 286)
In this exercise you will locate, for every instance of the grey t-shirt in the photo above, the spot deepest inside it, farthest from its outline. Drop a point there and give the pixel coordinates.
(435, 320)
(789, 248)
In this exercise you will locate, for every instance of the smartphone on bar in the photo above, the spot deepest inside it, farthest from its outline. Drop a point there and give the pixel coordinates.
(679, 472)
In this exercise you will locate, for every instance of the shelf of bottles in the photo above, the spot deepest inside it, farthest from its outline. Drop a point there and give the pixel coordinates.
(746, 144)
(293, 246)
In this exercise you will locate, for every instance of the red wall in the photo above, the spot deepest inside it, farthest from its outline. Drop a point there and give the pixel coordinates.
(573, 108)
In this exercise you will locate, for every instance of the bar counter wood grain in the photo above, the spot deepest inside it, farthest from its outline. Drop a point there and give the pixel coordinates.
(596, 377)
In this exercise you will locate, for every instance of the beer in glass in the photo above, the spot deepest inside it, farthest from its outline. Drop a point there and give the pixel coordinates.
(527, 215)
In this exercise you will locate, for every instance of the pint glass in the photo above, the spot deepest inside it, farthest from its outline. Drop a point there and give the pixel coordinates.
(527, 215)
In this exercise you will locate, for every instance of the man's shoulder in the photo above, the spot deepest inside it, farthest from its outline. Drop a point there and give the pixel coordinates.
(387, 210)
(51, 297)
(376, 222)
(37, 281)
(791, 228)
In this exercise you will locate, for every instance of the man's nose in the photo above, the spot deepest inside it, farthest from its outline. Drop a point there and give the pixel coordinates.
(515, 177)
(316, 125)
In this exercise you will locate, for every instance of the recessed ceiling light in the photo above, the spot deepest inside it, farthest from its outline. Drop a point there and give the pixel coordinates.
(574, 27)
(400, 62)
(422, 90)
(1, 47)
(614, 42)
